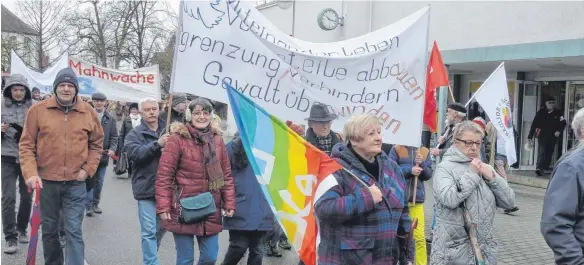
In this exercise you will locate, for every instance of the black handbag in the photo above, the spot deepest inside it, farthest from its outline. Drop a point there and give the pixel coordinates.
(196, 208)
(122, 164)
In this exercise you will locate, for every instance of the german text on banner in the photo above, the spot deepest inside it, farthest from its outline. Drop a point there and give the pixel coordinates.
(288, 169)
(44, 80)
(382, 73)
(493, 96)
(122, 85)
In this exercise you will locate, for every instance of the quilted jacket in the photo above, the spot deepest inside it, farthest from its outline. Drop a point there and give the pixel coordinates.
(353, 229)
(454, 184)
(182, 163)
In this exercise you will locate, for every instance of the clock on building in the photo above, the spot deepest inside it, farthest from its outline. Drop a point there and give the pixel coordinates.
(328, 19)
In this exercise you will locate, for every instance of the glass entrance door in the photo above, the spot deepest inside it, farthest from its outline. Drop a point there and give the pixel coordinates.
(574, 102)
(527, 159)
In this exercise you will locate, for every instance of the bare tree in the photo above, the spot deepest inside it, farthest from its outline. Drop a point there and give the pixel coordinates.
(103, 28)
(47, 18)
(151, 29)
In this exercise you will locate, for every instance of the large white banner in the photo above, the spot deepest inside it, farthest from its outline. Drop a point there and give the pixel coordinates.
(44, 81)
(382, 73)
(129, 86)
(493, 96)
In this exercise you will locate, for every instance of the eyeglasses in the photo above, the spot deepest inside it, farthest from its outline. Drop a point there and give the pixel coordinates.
(470, 143)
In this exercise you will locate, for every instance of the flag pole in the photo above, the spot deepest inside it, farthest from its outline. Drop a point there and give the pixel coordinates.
(475, 93)
(173, 77)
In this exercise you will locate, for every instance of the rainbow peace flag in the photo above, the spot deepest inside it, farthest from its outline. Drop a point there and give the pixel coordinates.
(288, 169)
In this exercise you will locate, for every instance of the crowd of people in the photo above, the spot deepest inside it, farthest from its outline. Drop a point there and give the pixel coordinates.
(188, 182)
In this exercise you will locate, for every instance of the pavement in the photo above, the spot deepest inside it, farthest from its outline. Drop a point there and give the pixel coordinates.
(113, 238)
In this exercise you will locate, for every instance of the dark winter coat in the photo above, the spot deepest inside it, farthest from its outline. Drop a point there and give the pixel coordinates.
(13, 113)
(144, 152)
(253, 211)
(124, 130)
(353, 228)
(562, 221)
(182, 164)
(405, 157)
(110, 137)
(548, 123)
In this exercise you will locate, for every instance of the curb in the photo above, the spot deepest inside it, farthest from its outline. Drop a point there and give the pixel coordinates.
(528, 181)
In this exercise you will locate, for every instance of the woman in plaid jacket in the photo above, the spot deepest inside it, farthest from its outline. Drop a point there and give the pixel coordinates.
(363, 224)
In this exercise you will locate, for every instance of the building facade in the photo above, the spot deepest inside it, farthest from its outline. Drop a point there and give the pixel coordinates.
(20, 37)
(541, 43)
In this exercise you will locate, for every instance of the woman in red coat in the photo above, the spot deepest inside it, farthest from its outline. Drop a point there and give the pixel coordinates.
(195, 161)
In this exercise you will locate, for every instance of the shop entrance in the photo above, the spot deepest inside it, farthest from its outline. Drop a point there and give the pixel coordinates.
(575, 101)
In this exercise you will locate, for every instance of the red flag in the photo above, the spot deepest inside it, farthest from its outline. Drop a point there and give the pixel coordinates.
(436, 77)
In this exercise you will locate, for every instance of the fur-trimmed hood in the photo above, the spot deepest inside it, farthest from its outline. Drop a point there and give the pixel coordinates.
(182, 130)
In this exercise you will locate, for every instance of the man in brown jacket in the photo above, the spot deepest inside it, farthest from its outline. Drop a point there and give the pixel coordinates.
(61, 146)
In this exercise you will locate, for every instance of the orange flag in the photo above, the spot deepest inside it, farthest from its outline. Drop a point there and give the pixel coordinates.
(436, 77)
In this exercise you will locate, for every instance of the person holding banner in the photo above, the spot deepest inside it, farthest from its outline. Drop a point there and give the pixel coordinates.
(467, 193)
(416, 165)
(61, 146)
(362, 210)
(253, 217)
(177, 108)
(195, 168)
(15, 105)
(455, 114)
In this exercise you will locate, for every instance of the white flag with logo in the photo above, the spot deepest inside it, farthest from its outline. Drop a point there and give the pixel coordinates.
(493, 96)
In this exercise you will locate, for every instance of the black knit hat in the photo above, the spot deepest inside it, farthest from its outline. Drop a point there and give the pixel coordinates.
(133, 106)
(457, 107)
(66, 75)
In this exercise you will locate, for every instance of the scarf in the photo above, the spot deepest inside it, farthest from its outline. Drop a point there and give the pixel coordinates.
(136, 120)
(100, 115)
(325, 144)
(204, 138)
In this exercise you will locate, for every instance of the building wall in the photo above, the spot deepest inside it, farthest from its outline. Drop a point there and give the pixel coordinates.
(455, 25)
(23, 45)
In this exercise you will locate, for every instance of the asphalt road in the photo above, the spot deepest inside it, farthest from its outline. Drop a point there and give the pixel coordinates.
(113, 238)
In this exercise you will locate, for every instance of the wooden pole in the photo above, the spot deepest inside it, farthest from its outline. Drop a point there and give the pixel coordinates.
(451, 93)
(415, 181)
(168, 114)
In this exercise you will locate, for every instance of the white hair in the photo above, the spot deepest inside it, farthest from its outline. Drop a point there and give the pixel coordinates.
(578, 124)
(146, 100)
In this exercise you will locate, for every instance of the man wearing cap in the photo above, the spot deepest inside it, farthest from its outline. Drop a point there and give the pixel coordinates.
(455, 114)
(15, 104)
(110, 145)
(61, 146)
(319, 131)
(177, 108)
(547, 127)
(36, 94)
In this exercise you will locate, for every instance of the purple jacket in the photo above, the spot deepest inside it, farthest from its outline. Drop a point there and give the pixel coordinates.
(354, 230)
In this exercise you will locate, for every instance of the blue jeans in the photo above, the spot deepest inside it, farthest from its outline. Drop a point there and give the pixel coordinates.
(185, 249)
(151, 231)
(94, 194)
(66, 198)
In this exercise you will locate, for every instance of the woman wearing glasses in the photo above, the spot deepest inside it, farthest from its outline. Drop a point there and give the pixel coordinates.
(463, 185)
